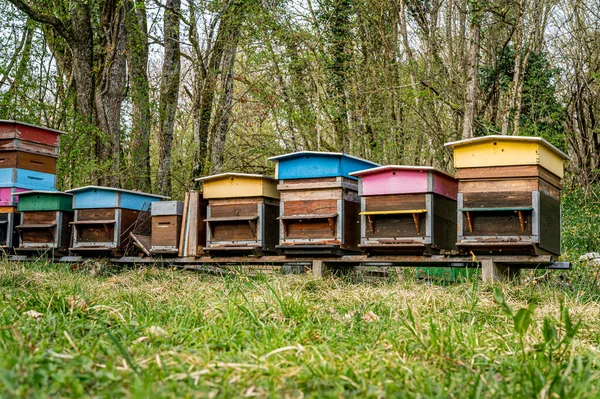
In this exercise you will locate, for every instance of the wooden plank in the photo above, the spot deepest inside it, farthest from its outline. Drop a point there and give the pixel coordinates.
(549, 214)
(402, 212)
(395, 202)
(218, 210)
(142, 241)
(184, 224)
(303, 195)
(497, 200)
(193, 230)
(310, 207)
(503, 172)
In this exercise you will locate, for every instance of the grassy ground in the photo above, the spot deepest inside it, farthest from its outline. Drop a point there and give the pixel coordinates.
(105, 332)
(137, 333)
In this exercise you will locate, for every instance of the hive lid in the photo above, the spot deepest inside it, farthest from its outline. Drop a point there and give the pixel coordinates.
(400, 167)
(12, 122)
(34, 192)
(76, 190)
(301, 153)
(232, 174)
(497, 137)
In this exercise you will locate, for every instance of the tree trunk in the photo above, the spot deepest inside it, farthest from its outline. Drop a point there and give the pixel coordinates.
(141, 118)
(169, 94)
(224, 111)
(472, 79)
(110, 90)
(82, 47)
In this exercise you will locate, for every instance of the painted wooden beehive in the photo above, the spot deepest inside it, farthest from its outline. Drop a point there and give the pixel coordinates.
(319, 213)
(407, 210)
(105, 216)
(45, 224)
(9, 218)
(241, 215)
(166, 226)
(508, 195)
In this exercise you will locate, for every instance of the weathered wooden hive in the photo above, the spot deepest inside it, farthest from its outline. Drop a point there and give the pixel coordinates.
(104, 217)
(407, 210)
(319, 213)
(27, 162)
(508, 195)
(166, 227)
(45, 225)
(241, 215)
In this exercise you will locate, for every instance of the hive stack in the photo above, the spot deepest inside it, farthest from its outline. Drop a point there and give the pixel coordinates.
(241, 214)
(407, 210)
(27, 162)
(508, 195)
(46, 221)
(104, 217)
(319, 203)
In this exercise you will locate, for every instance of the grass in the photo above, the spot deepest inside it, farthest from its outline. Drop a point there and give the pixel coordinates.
(148, 332)
(100, 331)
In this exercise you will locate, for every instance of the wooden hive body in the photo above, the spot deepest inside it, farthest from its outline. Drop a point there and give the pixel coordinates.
(9, 218)
(30, 133)
(166, 227)
(241, 217)
(508, 195)
(407, 210)
(105, 216)
(319, 203)
(319, 216)
(45, 225)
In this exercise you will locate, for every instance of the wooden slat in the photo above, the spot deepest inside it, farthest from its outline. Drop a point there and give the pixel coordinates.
(232, 218)
(311, 216)
(193, 224)
(35, 226)
(400, 212)
(90, 222)
(506, 209)
(184, 224)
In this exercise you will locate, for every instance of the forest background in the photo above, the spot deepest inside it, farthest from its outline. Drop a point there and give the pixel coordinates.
(154, 93)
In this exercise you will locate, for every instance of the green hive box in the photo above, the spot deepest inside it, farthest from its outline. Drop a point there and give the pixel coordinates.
(31, 201)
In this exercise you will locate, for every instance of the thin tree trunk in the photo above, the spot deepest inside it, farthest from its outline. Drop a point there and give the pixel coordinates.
(110, 91)
(224, 111)
(472, 79)
(517, 70)
(169, 94)
(141, 118)
(24, 49)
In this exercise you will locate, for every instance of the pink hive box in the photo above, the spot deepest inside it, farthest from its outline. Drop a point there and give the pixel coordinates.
(407, 210)
(5, 196)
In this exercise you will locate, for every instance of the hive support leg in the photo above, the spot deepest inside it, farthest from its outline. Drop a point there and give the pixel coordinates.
(493, 272)
(319, 268)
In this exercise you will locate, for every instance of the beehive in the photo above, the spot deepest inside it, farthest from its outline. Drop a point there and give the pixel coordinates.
(241, 216)
(319, 212)
(105, 216)
(166, 226)
(407, 210)
(46, 218)
(508, 195)
(27, 162)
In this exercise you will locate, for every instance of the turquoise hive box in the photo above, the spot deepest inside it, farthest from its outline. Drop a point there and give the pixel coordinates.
(105, 217)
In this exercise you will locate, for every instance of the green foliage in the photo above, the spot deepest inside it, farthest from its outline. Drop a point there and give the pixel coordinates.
(580, 222)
